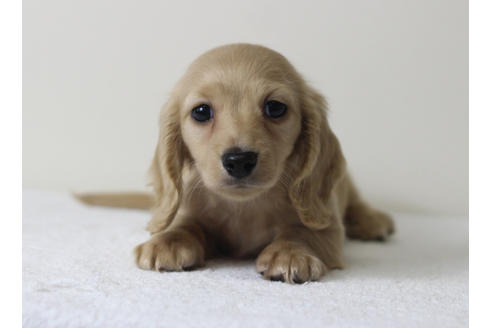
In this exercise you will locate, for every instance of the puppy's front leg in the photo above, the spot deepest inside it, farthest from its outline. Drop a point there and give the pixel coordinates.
(178, 248)
(299, 254)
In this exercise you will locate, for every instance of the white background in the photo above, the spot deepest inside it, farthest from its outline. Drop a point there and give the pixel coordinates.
(95, 74)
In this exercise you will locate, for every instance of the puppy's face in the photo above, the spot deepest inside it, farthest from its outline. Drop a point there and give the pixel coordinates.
(239, 122)
(245, 121)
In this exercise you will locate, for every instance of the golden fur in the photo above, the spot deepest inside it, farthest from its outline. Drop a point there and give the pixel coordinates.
(297, 205)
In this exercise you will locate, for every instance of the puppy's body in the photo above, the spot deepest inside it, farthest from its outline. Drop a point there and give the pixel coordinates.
(291, 204)
(242, 229)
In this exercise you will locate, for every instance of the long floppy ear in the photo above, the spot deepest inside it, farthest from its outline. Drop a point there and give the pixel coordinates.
(165, 171)
(320, 163)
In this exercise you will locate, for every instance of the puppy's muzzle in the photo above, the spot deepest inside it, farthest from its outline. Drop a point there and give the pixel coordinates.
(239, 164)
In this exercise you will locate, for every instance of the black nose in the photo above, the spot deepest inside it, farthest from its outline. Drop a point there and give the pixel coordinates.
(239, 164)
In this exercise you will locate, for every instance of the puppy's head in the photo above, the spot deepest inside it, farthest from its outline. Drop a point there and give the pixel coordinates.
(246, 121)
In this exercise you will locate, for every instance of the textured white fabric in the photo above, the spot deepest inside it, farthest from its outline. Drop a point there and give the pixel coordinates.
(78, 271)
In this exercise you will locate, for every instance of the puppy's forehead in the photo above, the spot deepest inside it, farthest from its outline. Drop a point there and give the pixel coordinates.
(245, 59)
(238, 71)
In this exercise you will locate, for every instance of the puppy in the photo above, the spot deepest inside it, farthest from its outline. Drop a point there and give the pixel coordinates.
(247, 165)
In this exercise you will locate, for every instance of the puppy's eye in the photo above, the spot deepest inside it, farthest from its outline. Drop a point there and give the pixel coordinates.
(275, 109)
(202, 113)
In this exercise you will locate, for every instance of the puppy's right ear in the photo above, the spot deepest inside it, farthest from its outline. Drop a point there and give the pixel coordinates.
(165, 171)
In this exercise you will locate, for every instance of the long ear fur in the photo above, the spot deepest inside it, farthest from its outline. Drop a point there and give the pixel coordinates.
(166, 168)
(321, 163)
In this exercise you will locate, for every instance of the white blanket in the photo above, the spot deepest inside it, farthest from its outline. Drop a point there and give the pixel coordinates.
(78, 271)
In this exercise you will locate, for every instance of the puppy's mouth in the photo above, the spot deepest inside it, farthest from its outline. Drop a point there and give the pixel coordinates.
(241, 189)
(233, 184)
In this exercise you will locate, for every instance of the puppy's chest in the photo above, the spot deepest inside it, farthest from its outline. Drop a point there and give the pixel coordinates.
(244, 230)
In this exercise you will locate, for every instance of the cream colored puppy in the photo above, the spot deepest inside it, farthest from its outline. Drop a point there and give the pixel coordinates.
(246, 165)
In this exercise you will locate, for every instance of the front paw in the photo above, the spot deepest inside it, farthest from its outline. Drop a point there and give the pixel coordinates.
(289, 262)
(170, 251)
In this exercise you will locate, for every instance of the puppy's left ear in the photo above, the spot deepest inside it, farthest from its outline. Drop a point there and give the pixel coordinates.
(320, 164)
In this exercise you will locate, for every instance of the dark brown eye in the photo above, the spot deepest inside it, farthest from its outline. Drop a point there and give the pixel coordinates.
(202, 113)
(275, 109)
